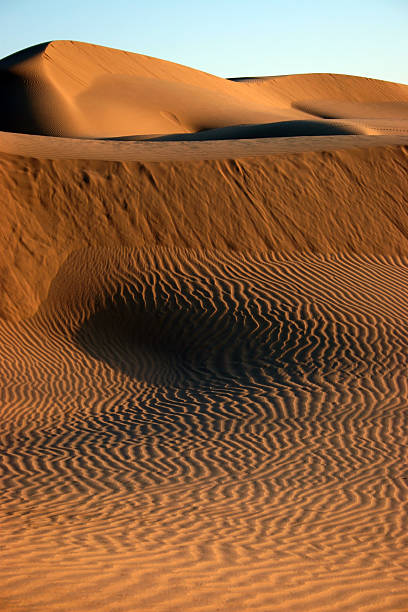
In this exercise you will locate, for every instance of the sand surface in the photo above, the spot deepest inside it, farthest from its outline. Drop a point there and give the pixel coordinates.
(203, 338)
(72, 89)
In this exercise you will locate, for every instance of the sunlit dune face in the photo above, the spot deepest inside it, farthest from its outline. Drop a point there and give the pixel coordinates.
(97, 92)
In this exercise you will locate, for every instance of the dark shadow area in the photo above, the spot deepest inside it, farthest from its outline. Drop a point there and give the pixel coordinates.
(253, 78)
(17, 113)
(201, 341)
(164, 341)
(17, 110)
(21, 56)
(279, 129)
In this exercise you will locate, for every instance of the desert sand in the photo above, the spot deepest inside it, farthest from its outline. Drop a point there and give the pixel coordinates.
(203, 337)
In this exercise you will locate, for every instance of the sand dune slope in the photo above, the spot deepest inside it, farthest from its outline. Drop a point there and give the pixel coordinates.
(96, 91)
(208, 408)
(329, 203)
(67, 88)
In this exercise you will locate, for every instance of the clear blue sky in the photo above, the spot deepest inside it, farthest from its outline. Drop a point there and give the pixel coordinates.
(227, 37)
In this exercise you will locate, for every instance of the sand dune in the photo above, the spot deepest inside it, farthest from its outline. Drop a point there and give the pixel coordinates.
(203, 338)
(97, 92)
(342, 93)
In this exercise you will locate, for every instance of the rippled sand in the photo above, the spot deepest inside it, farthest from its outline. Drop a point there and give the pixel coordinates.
(225, 432)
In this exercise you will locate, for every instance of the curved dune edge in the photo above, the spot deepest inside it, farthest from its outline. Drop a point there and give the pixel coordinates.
(207, 429)
(48, 147)
(350, 201)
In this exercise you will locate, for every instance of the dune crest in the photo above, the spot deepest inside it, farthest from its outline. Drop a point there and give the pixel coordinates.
(98, 92)
(101, 92)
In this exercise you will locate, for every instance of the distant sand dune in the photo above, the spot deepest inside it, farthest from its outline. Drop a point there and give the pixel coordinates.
(340, 89)
(97, 92)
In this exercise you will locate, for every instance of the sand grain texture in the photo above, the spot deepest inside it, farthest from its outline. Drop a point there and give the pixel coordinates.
(203, 343)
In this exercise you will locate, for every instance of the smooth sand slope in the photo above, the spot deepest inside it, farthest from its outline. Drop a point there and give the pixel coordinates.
(98, 92)
(203, 359)
(72, 89)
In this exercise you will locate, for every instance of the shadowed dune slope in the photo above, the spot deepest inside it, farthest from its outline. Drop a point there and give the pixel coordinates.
(277, 129)
(67, 88)
(328, 203)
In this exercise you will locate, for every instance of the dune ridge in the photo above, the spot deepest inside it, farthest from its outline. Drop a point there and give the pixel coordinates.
(98, 92)
(256, 204)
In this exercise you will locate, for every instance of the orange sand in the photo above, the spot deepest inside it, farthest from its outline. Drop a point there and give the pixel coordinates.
(203, 343)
